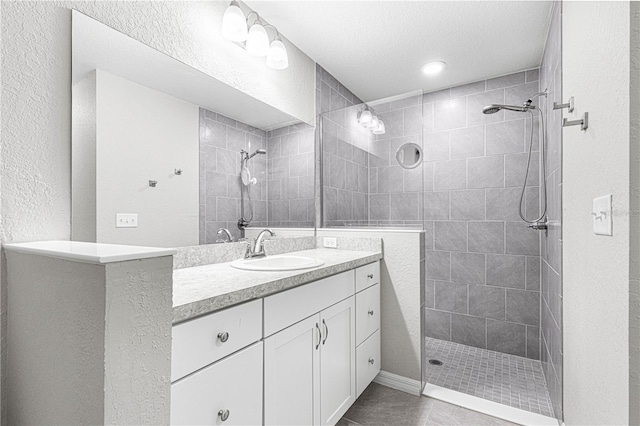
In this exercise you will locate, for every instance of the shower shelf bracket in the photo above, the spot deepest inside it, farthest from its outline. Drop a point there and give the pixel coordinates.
(583, 123)
(570, 105)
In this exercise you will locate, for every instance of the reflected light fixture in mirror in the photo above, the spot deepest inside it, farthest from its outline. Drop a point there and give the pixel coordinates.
(234, 24)
(256, 39)
(370, 121)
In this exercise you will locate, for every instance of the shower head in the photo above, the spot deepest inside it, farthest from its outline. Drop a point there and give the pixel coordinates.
(257, 151)
(492, 109)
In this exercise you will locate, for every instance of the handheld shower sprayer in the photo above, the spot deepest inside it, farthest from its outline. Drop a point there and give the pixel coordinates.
(540, 222)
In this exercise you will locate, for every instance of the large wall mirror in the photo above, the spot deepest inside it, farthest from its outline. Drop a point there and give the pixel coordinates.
(165, 155)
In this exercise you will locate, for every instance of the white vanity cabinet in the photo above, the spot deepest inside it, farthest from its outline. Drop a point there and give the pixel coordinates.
(310, 365)
(228, 390)
(367, 325)
(298, 357)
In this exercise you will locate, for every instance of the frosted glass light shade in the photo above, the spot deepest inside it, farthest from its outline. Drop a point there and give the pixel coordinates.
(257, 40)
(234, 24)
(277, 57)
(365, 118)
(374, 123)
(380, 130)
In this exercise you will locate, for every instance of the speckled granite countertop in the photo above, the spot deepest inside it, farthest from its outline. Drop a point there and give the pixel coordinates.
(204, 289)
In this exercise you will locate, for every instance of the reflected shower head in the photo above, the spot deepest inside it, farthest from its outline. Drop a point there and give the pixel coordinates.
(492, 109)
(257, 151)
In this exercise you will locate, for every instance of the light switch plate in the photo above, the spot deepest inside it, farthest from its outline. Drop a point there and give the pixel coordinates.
(330, 242)
(126, 220)
(602, 217)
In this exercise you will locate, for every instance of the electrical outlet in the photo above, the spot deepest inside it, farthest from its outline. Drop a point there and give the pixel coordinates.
(126, 220)
(330, 242)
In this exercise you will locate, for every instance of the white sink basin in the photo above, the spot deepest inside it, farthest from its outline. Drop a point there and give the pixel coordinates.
(277, 263)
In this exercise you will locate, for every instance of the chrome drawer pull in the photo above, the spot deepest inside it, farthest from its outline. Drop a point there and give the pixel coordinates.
(223, 414)
(371, 361)
(319, 336)
(371, 312)
(223, 336)
(370, 276)
(326, 332)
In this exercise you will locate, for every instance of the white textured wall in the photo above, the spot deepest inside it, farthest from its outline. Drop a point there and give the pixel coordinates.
(634, 258)
(596, 162)
(143, 135)
(36, 95)
(137, 342)
(56, 341)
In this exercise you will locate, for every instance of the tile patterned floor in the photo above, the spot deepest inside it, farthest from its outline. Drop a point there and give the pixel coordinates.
(507, 379)
(380, 405)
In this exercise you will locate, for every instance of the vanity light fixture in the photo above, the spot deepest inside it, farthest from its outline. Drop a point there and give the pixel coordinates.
(254, 38)
(234, 23)
(433, 68)
(370, 121)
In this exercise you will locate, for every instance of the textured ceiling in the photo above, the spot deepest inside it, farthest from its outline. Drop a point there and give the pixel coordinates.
(376, 48)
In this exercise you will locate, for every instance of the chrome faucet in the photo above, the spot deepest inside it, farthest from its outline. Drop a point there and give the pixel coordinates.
(258, 248)
(224, 232)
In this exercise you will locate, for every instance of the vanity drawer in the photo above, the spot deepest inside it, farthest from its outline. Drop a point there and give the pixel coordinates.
(288, 307)
(367, 361)
(201, 341)
(367, 312)
(233, 384)
(367, 275)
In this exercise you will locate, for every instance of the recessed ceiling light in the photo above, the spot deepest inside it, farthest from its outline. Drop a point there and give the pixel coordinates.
(433, 68)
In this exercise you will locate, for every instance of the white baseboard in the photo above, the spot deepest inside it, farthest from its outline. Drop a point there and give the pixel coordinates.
(400, 383)
(494, 409)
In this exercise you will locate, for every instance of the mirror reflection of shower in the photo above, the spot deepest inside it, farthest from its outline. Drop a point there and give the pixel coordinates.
(539, 223)
(246, 181)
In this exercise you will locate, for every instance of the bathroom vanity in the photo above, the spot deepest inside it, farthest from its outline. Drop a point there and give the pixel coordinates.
(97, 339)
(301, 355)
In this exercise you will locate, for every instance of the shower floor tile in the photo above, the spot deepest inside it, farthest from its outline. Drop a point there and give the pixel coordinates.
(507, 379)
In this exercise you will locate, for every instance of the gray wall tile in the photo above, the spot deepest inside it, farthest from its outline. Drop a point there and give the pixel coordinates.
(487, 302)
(449, 114)
(468, 268)
(506, 271)
(439, 265)
(506, 80)
(486, 172)
(486, 237)
(438, 324)
(506, 137)
(507, 337)
(467, 142)
(451, 236)
(522, 240)
(451, 297)
(449, 175)
(468, 205)
(468, 330)
(523, 307)
(436, 205)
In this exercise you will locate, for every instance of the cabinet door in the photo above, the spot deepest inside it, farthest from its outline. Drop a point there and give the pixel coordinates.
(230, 389)
(337, 361)
(292, 374)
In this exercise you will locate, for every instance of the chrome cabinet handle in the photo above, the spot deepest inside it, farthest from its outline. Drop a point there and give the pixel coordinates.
(326, 332)
(319, 336)
(371, 361)
(370, 312)
(370, 276)
(223, 336)
(223, 414)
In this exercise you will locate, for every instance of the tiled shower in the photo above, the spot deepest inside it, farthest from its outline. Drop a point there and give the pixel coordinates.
(483, 264)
